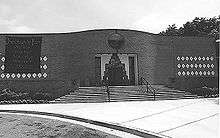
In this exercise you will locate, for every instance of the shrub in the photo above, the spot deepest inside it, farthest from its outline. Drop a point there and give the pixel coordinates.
(42, 96)
(205, 91)
(9, 96)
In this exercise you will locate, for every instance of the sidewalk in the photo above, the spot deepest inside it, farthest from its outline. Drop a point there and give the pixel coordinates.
(174, 118)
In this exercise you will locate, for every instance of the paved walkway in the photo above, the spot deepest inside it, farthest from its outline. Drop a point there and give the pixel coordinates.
(174, 118)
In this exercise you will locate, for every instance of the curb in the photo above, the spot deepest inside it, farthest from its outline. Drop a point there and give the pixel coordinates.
(98, 123)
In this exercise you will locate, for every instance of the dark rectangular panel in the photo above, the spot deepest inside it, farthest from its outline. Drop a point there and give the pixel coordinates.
(131, 71)
(98, 70)
(22, 54)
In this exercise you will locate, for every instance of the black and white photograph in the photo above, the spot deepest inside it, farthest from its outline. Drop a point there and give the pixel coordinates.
(109, 68)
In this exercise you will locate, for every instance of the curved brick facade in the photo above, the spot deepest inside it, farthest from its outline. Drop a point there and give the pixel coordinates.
(71, 59)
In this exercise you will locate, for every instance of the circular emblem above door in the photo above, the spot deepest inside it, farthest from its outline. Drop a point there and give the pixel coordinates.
(116, 40)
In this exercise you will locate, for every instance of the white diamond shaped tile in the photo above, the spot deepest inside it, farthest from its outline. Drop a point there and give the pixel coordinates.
(187, 65)
(179, 73)
(34, 75)
(192, 73)
(196, 65)
(182, 58)
(39, 75)
(40, 58)
(196, 73)
(203, 58)
(211, 58)
(28, 75)
(179, 66)
(204, 73)
(212, 65)
(178, 58)
(213, 73)
(208, 65)
(45, 58)
(45, 75)
(188, 73)
(8, 75)
(207, 58)
(183, 73)
(187, 58)
(204, 65)
(18, 75)
(191, 58)
(3, 67)
(45, 67)
(3, 59)
(183, 65)
(208, 73)
(195, 58)
(23, 75)
(200, 72)
(200, 65)
(13, 75)
(199, 58)
(2, 75)
(191, 65)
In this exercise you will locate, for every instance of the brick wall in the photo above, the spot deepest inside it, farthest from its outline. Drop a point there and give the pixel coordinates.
(71, 56)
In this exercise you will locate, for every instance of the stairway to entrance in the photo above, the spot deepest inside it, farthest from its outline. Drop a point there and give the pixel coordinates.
(122, 93)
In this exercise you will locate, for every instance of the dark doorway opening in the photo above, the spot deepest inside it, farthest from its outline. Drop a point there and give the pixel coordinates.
(115, 74)
(131, 71)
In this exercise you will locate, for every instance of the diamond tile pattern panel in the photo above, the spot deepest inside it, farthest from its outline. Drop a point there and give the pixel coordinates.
(195, 66)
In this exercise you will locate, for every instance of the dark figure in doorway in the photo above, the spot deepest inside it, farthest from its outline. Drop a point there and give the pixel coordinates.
(115, 72)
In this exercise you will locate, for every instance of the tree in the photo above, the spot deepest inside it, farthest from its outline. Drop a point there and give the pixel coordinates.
(199, 26)
(172, 30)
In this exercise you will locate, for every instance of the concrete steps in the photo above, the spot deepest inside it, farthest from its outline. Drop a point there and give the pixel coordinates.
(121, 94)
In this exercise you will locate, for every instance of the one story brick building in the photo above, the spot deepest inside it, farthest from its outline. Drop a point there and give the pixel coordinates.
(59, 61)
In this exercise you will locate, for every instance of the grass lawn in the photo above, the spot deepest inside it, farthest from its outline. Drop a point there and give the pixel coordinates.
(21, 126)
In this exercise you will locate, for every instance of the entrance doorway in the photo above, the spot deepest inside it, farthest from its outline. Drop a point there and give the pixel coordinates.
(115, 73)
(131, 70)
(119, 69)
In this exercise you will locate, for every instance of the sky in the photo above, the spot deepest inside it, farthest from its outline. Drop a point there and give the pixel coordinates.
(154, 16)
